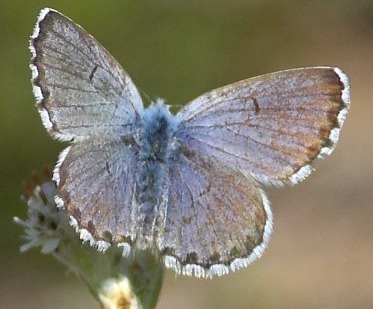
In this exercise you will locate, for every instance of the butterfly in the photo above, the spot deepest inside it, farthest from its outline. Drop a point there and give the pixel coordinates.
(186, 186)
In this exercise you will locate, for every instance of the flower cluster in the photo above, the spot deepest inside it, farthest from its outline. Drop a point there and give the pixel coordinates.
(45, 226)
(114, 281)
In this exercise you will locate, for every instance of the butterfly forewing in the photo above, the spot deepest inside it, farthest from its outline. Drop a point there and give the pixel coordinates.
(81, 89)
(270, 126)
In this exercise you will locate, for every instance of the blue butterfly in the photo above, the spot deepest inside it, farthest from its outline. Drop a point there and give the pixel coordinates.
(186, 186)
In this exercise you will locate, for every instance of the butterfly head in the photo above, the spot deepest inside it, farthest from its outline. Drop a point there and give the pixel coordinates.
(158, 126)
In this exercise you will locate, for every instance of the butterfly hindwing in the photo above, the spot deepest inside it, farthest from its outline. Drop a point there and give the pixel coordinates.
(217, 219)
(98, 191)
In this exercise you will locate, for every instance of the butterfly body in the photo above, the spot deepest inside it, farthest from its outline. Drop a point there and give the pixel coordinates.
(156, 150)
(187, 186)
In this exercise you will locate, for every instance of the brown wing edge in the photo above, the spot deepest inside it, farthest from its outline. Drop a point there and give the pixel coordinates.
(329, 142)
(223, 269)
(84, 234)
(41, 94)
(333, 138)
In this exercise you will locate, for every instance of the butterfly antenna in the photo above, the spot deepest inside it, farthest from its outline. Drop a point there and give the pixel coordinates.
(146, 97)
(176, 107)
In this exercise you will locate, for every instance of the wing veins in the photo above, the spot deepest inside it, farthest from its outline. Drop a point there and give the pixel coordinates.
(257, 165)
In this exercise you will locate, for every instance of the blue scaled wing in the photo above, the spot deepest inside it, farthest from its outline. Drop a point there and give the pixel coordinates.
(263, 130)
(217, 220)
(81, 90)
(85, 96)
(97, 183)
(272, 126)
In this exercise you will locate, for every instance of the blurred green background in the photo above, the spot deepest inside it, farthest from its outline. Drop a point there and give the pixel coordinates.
(320, 255)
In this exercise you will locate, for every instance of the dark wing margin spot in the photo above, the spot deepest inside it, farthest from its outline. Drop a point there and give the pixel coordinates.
(191, 258)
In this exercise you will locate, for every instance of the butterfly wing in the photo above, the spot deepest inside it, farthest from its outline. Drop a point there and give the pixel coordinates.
(216, 220)
(271, 126)
(81, 90)
(84, 95)
(98, 192)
